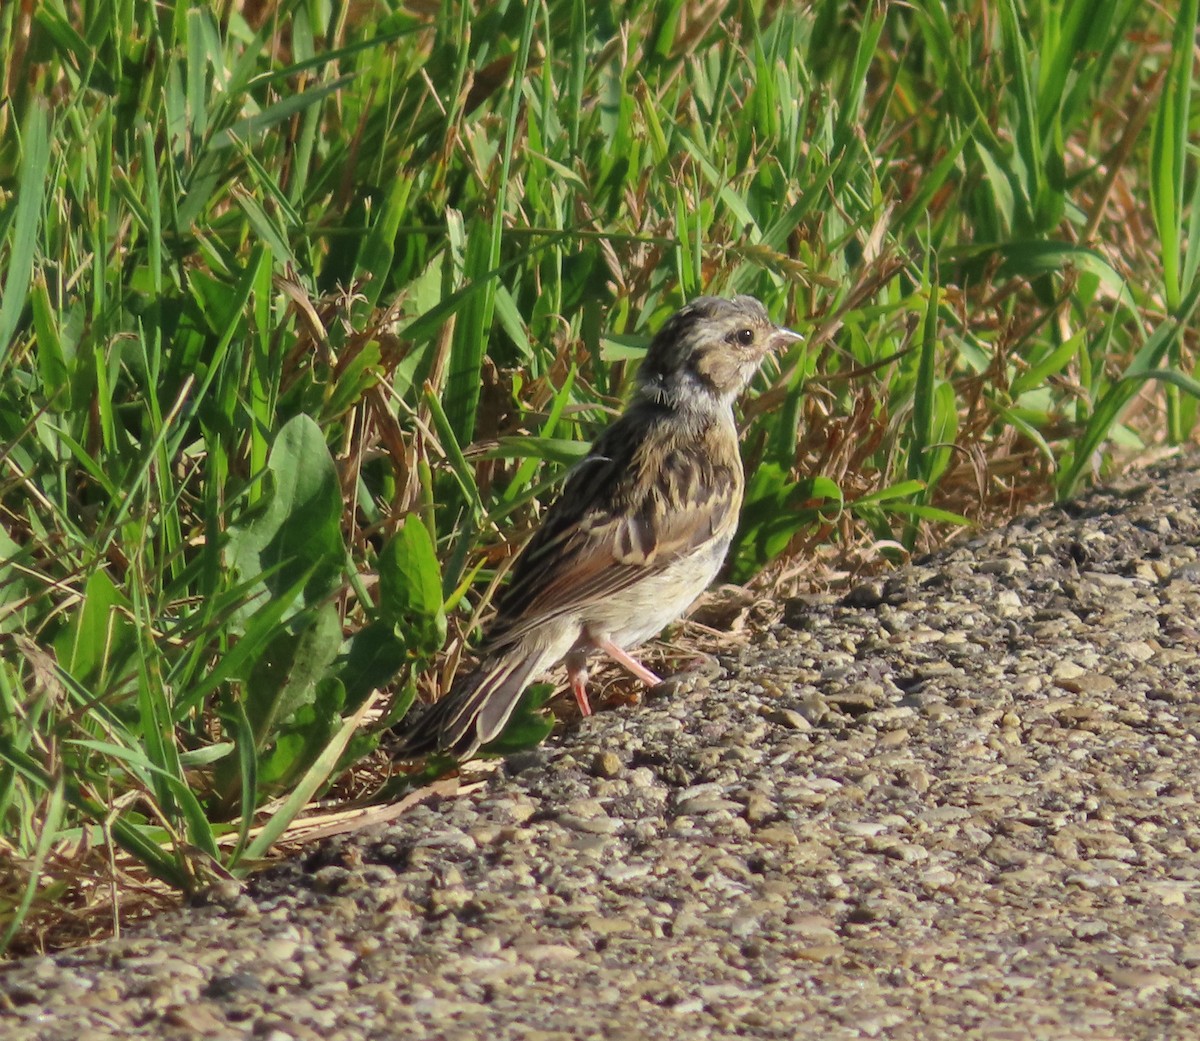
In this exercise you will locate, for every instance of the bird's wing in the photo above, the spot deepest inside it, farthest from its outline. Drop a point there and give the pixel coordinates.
(646, 496)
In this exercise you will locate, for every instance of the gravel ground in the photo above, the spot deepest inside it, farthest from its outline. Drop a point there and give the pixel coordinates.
(958, 803)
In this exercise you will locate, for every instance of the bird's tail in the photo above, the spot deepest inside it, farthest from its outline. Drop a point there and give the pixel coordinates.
(477, 707)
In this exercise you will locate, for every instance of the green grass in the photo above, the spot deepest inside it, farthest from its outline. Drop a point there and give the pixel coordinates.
(300, 322)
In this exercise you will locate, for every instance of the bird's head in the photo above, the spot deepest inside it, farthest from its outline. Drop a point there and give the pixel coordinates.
(709, 350)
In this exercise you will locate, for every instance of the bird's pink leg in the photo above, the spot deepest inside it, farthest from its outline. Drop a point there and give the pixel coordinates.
(629, 662)
(577, 674)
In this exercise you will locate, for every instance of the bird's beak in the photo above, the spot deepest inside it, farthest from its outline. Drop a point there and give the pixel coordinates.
(781, 339)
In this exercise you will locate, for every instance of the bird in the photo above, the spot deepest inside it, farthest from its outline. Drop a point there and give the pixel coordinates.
(638, 532)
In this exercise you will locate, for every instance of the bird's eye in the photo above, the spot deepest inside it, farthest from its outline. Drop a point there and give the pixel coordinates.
(745, 337)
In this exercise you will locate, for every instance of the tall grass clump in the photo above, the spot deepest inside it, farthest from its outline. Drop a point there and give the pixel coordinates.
(306, 308)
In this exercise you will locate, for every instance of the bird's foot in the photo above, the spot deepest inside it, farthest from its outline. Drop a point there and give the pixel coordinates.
(578, 676)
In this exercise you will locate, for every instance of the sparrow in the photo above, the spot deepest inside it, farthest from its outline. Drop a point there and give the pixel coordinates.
(640, 529)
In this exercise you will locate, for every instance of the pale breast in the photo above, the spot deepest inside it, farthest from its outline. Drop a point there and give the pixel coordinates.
(649, 605)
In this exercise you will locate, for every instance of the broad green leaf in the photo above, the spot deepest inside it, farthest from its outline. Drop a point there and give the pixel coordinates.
(410, 588)
(297, 531)
(288, 672)
(305, 737)
(370, 659)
